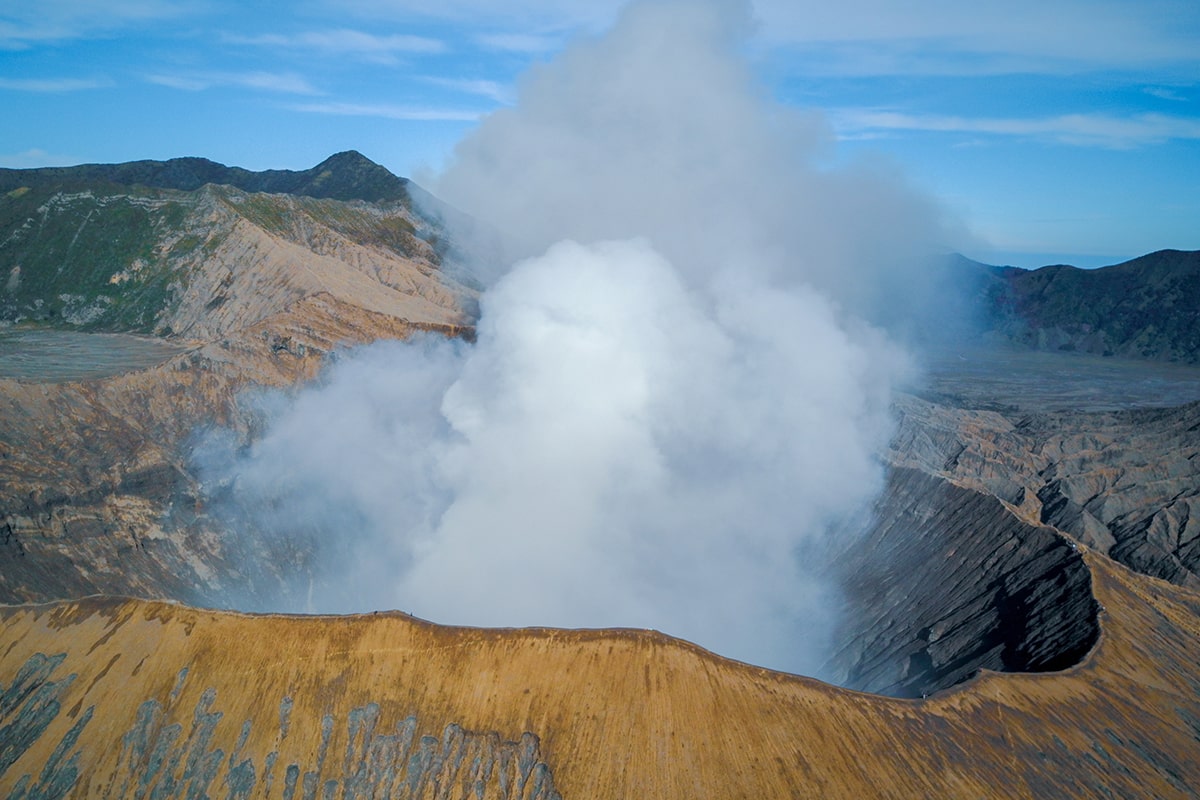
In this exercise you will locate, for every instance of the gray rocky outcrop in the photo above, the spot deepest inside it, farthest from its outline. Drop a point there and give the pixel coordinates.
(1126, 483)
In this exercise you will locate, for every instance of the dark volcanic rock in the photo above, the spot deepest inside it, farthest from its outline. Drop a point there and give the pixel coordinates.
(947, 581)
(1145, 308)
(107, 540)
(1125, 482)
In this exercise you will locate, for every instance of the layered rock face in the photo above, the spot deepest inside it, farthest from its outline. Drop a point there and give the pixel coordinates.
(981, 569)
(255, 291)
(946, 582)
(1125, 483)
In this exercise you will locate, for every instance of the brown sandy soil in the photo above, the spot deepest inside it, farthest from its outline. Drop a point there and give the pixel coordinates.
(143, 697)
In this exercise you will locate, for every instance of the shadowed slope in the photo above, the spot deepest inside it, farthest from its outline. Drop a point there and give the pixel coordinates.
(150, 696)
(946, 581)
(1143, 308)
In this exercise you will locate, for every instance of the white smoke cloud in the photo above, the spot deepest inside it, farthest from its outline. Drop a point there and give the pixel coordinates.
(673, 396)
(659, 129)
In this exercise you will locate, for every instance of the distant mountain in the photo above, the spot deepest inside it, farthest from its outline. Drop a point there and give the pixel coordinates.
(344, 176)
(1148, 307)
(140, 247)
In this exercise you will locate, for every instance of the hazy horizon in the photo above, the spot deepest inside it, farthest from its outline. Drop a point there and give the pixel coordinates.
(1055, 131)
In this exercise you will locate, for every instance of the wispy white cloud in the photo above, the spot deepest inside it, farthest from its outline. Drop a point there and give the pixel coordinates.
(525, 43)
(36, 157)
(389, 111)
(53, 84)
(948, 37)
(517, 15)
(492, 90)
(286, 82)
(1164, 93)
(386, 49)
(27, 24)
(871, 37)
(1090, 130)
(521, 27)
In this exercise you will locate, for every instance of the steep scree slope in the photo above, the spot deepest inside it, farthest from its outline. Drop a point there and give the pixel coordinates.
(946, 582)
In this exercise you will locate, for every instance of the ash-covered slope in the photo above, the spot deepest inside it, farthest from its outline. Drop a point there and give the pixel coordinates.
(133, 699)
(945, 582)
(1124, 482)
(1148, 307)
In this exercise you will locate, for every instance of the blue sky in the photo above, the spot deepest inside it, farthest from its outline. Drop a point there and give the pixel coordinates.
(1059, 130)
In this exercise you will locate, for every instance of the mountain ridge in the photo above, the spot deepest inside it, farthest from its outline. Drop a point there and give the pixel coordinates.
(161, 700)
(1145, 308)
(256, 288)
(348, 175)
(80, 251)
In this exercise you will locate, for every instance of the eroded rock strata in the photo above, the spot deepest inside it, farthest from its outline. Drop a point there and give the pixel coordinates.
(946, 582)
(161, 757)
(1126, 483)
(254, 288)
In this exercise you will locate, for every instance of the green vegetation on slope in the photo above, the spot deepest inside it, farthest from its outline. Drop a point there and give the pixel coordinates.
(112, 247)
(89, 260)
(344, 176)
(385, 225)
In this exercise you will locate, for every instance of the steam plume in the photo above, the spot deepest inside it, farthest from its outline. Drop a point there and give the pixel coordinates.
(676, 389)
